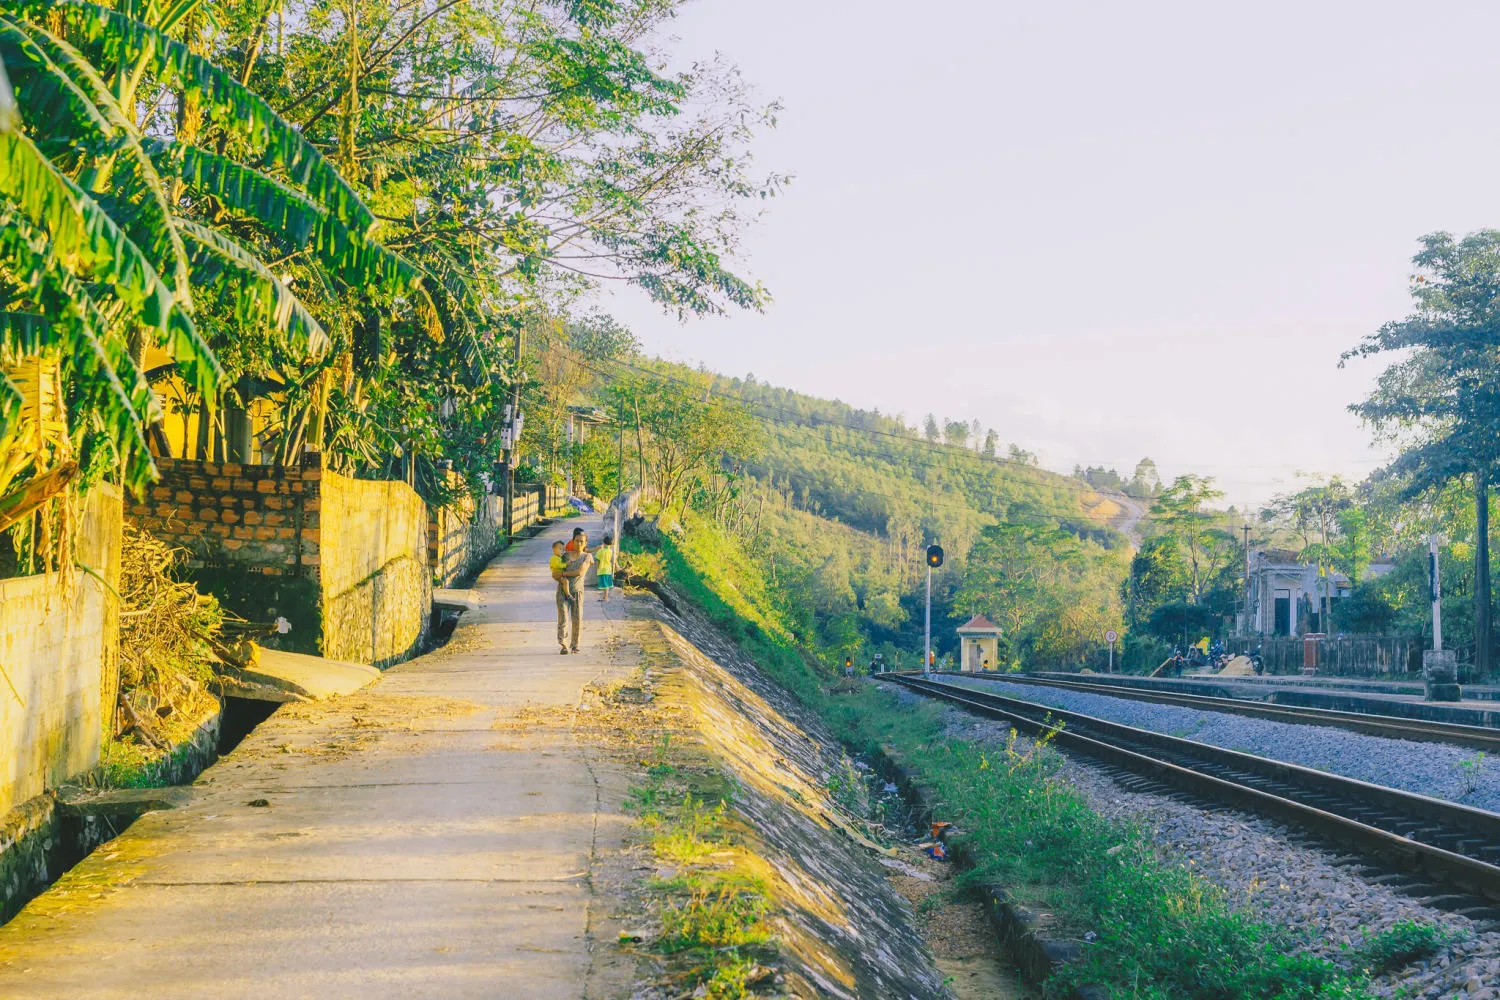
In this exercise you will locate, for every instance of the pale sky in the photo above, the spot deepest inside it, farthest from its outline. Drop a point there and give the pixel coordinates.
(1107, 230)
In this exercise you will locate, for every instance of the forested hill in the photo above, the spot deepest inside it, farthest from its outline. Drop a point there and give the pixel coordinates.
(872, 472)
(834, 505)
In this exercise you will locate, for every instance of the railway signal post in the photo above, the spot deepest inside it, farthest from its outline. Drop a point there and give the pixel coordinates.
(934, 558)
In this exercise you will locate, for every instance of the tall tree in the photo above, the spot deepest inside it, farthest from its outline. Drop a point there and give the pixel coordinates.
(1441, 398)
(1180, 512)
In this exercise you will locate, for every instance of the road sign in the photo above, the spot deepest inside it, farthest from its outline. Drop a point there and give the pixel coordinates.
(1111, 636)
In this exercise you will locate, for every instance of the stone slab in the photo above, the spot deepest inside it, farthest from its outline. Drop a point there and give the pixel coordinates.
(302, 677)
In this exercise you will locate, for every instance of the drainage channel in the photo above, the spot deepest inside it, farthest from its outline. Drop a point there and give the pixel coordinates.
(48, 836)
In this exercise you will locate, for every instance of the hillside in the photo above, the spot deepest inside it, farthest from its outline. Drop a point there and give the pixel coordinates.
(838, 504)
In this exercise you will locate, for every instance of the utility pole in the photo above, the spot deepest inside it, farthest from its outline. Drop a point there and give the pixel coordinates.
(927, 629)
(1247, 578)
(512, 434)
(1436, 595)
(1482, 629)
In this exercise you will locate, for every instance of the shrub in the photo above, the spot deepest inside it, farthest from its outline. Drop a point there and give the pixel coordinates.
(1401, 944)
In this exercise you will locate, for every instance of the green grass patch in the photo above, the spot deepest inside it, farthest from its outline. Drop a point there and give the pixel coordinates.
(1403, 943)
(711, 910)
(1156, 930)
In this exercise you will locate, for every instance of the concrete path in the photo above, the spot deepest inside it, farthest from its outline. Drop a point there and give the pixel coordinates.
(394, 842)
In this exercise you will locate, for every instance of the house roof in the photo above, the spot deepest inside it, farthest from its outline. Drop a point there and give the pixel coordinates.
(979, 623)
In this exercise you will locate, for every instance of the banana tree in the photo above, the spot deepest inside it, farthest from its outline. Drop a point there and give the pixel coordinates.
(118, 233)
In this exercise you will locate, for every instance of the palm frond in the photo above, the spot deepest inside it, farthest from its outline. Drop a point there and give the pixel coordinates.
(280, 208)
(83, 235)
(260, 294)
(124, 40)
(63, 76)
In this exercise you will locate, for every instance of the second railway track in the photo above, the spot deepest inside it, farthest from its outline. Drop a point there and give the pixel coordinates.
(1448, 854)
(1389, 726)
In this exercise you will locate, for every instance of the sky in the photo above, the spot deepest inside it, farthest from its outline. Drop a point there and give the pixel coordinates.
(1106, 230)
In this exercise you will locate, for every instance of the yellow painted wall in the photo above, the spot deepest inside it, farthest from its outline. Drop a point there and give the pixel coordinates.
(377, 586)
(58, 656)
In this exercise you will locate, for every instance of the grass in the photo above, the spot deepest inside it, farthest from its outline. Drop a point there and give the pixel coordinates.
(1159, 932)
(712, 908)
(1399, 945)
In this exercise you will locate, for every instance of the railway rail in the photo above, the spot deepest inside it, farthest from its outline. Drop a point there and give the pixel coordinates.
(1390, 726)
(1444, 853)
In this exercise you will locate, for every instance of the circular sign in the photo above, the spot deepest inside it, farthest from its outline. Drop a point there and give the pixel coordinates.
(1111, 636)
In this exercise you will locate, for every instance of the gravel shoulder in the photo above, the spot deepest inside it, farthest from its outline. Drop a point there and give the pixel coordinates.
(1265, 873)
(1440, 770)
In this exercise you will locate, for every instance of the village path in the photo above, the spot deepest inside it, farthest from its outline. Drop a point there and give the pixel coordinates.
(396, 842)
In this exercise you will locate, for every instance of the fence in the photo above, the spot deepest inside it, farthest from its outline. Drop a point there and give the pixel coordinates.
(533, 503)
(1338, 656)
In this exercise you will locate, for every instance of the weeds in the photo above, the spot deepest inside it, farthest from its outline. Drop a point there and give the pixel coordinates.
(1401, 944)
(1470, 770)
(711, 910)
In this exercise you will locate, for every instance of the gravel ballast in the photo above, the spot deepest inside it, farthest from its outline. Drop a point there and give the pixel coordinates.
(1437, 769)
(1262, 872)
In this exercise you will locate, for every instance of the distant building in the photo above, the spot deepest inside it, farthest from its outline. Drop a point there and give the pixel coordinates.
(979, 645)
(1285, 594)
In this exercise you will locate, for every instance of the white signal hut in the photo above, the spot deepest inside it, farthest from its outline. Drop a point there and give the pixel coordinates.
(979, 645)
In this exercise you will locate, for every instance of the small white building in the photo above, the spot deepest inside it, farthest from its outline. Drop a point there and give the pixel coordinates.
(979, 645)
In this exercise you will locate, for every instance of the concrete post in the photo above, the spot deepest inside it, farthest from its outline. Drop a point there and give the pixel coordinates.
(1439, 665)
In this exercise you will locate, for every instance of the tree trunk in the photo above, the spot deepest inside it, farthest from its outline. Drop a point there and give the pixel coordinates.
(1482, 572)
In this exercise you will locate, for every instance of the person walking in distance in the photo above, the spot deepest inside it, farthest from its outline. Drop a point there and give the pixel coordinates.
(605, 557)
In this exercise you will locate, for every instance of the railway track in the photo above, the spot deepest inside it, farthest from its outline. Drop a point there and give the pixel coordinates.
(1390, 726)
(1446, 854)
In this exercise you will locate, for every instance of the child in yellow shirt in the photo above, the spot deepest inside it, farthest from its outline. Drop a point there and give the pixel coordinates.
(604, 558)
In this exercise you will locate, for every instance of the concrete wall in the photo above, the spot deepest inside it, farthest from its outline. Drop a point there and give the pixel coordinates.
(377, 587)
(57, 651)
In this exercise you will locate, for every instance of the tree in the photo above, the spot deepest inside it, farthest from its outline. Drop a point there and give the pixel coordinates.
(956, 433)
(1441, 399)
(930, 429)
(1145, 481)
(991, 442)
(105, 247)
(1180, 514)
(685, 432)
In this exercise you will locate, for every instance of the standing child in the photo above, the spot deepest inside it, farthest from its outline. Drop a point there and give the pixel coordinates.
(605, 558)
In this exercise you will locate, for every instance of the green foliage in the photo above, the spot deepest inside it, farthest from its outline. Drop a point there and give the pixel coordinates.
(1182, 624)
(712, 913)
(1051, 592)
(1160, 931)
(1181, 514)
(1401, 944)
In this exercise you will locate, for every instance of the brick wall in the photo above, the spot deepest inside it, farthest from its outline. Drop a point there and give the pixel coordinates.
(261, 518)
(260, 538)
